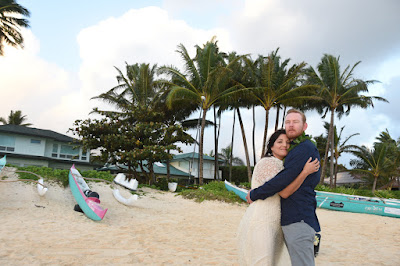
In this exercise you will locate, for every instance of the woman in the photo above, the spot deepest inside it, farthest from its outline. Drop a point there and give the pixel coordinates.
(260, 235)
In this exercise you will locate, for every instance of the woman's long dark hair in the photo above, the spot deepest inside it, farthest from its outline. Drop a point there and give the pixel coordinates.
(272, 140)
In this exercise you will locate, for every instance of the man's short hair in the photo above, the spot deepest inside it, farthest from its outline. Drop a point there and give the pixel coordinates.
(298, 112)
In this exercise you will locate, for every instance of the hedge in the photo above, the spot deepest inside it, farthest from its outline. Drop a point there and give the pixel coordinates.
(239, 174)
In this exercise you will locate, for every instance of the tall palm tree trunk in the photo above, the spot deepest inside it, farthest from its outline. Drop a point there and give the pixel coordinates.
(203, 124)
(246, 151)
(374, 184)
(336, 169)
(231, 155)
(277, 117)
(283, 117)
(332, 147)
(265, 132)
(217, 154)
(215, 145)
(328, 140)
(254, 136)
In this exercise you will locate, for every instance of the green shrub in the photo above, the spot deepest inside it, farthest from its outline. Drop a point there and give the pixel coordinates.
(246, 185)
(239, 174)
(56, 175)
(214, 190)
(161, 184)
(59, 175)
(105, 175)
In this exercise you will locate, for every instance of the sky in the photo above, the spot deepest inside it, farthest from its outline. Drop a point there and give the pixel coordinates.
(72, 50)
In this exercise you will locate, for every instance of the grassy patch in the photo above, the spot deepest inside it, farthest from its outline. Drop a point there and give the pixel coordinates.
(59, 176)
(214, 190)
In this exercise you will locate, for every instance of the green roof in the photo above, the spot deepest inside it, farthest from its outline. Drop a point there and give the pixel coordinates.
(192, 155)
(34, 132)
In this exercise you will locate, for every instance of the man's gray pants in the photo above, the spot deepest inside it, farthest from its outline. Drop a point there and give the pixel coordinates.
(299, 238)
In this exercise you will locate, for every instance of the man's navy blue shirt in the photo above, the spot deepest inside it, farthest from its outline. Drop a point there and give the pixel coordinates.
(301, 204)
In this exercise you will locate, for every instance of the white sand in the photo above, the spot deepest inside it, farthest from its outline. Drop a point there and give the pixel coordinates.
(162, 229)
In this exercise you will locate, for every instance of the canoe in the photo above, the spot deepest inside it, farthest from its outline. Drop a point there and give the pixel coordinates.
(356, 197)
(343, 202)
(241, 192)
(3, 162)
(89, 205)
(358, 204)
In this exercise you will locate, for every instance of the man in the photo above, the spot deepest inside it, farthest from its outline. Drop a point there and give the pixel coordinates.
(298, 219)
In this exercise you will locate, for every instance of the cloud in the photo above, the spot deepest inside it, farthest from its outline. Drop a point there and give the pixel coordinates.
(31, 84)
(146, 35)
(305, 30)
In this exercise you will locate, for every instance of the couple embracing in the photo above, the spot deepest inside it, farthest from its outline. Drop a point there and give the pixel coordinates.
(279, 226)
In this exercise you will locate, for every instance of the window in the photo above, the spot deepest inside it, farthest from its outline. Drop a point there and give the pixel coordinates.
(35, 141)
(54, 153)
(7, 143)
(68, 151)
(84, 155)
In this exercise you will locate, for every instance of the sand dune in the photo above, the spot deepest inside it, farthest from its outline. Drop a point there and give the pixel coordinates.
(162, 228)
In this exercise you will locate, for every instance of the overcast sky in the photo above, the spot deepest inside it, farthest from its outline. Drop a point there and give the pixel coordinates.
(73, 47)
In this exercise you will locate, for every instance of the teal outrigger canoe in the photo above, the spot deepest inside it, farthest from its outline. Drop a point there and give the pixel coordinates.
(89, 205)
(358, 204)
(241, 192)
(3, 162)
(343, 202)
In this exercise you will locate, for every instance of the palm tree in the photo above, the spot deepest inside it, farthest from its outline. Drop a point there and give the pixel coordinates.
(226, 156)
(339, 148)
(10, 23)
(204, 83)
(371, 163)
(393, 156)
(274, 84)
(338, 93)
(137, 88)
(15, 118)
(245, 99)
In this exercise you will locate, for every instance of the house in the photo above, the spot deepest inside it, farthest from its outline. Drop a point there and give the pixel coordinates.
(182, 166)
(345, 178)
(26, 146)
(189, 163)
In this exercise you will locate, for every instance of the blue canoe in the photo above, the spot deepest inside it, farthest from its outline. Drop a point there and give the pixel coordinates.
(343, 202)
(3, 162)
(358, 204)
(241, 192)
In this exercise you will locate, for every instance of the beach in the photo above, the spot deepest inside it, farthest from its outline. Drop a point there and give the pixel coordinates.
(162, 228)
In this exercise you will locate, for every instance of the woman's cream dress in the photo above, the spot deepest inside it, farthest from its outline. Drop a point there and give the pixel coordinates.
(260, 235)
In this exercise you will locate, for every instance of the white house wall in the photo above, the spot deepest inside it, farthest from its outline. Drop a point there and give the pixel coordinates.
(36, 146)
(208, 168)
(23, 145)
